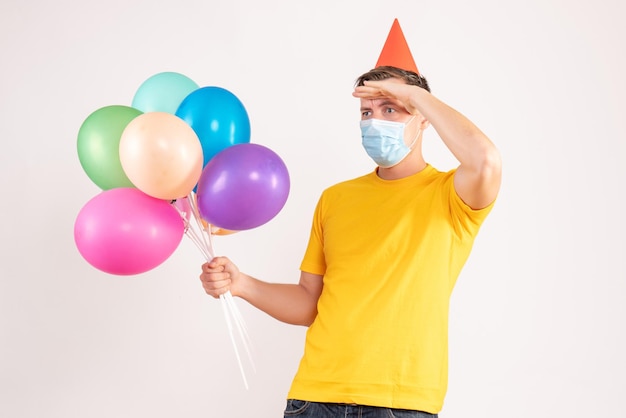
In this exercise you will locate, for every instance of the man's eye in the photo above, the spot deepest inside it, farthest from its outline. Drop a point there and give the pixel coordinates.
(366, 113)
(390, 110)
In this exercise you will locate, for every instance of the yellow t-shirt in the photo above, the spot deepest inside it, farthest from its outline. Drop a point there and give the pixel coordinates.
(390, 253)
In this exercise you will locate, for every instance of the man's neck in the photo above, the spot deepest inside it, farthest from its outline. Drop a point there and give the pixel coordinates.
(413, 164)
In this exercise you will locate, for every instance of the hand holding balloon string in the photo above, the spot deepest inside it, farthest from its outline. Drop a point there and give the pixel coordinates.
(242, 187)
(200, 234)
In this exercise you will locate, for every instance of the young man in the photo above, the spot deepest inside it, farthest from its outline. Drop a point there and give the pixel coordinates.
(384, 253)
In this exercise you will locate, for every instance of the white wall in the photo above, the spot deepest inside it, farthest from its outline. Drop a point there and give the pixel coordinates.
(537, 323)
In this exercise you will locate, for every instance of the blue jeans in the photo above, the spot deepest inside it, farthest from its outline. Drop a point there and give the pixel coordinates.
(306, 409)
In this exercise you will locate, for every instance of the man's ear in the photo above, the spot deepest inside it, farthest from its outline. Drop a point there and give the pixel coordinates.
(424, 123)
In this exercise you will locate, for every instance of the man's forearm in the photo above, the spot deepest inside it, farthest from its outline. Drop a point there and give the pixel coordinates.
(289, 303)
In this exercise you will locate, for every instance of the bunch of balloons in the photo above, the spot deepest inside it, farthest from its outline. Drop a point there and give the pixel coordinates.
(178, 161)
(177, 142)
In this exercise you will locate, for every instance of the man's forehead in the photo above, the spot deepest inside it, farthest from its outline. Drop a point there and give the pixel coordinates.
(382, 102)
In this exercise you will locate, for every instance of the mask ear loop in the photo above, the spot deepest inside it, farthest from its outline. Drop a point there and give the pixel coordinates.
(410, 146)
(416, 136)
(419, 131)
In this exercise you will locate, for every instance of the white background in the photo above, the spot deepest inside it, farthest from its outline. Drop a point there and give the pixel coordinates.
(537, 319)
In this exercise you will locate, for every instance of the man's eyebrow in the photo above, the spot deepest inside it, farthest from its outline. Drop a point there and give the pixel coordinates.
(382, 103)
(387, 102)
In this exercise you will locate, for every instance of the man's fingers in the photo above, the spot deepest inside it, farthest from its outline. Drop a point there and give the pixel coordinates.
(364, 92)
(215, 287)
(212, 268)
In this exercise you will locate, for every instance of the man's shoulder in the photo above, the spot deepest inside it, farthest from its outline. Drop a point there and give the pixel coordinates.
(350, 183)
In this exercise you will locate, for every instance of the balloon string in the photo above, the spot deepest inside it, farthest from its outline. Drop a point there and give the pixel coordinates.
(241, 327)
(196, 215)
(226, 308)
(202, 238)
(196, 240)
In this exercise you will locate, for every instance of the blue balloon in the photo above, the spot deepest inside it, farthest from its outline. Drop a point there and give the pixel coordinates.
(218, 117)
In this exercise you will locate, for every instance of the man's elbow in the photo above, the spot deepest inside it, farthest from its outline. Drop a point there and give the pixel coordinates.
(490, 167)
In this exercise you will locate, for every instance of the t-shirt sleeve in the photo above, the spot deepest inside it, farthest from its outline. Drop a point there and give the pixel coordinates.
(466, 221)
(314, 261)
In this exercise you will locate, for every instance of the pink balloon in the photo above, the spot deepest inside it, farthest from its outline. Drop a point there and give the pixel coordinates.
(123, 231)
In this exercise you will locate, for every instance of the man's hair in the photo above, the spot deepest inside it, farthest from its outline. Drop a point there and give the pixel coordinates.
(385, 72)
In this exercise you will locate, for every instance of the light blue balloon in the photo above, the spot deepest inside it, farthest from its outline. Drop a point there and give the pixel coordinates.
(218, 117)
(163, 92)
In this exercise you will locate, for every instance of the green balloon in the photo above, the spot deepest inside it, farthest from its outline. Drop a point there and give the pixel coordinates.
(99, 143)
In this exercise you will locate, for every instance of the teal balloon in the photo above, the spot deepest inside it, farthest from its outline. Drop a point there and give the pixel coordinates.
(99, 145)
(163, 92)
(218, 117)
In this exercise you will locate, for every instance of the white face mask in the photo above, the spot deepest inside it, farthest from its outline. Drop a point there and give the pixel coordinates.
(383, 141)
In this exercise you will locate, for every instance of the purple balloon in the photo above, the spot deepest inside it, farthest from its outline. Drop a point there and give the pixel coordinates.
(123, 231)
(242, 187)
